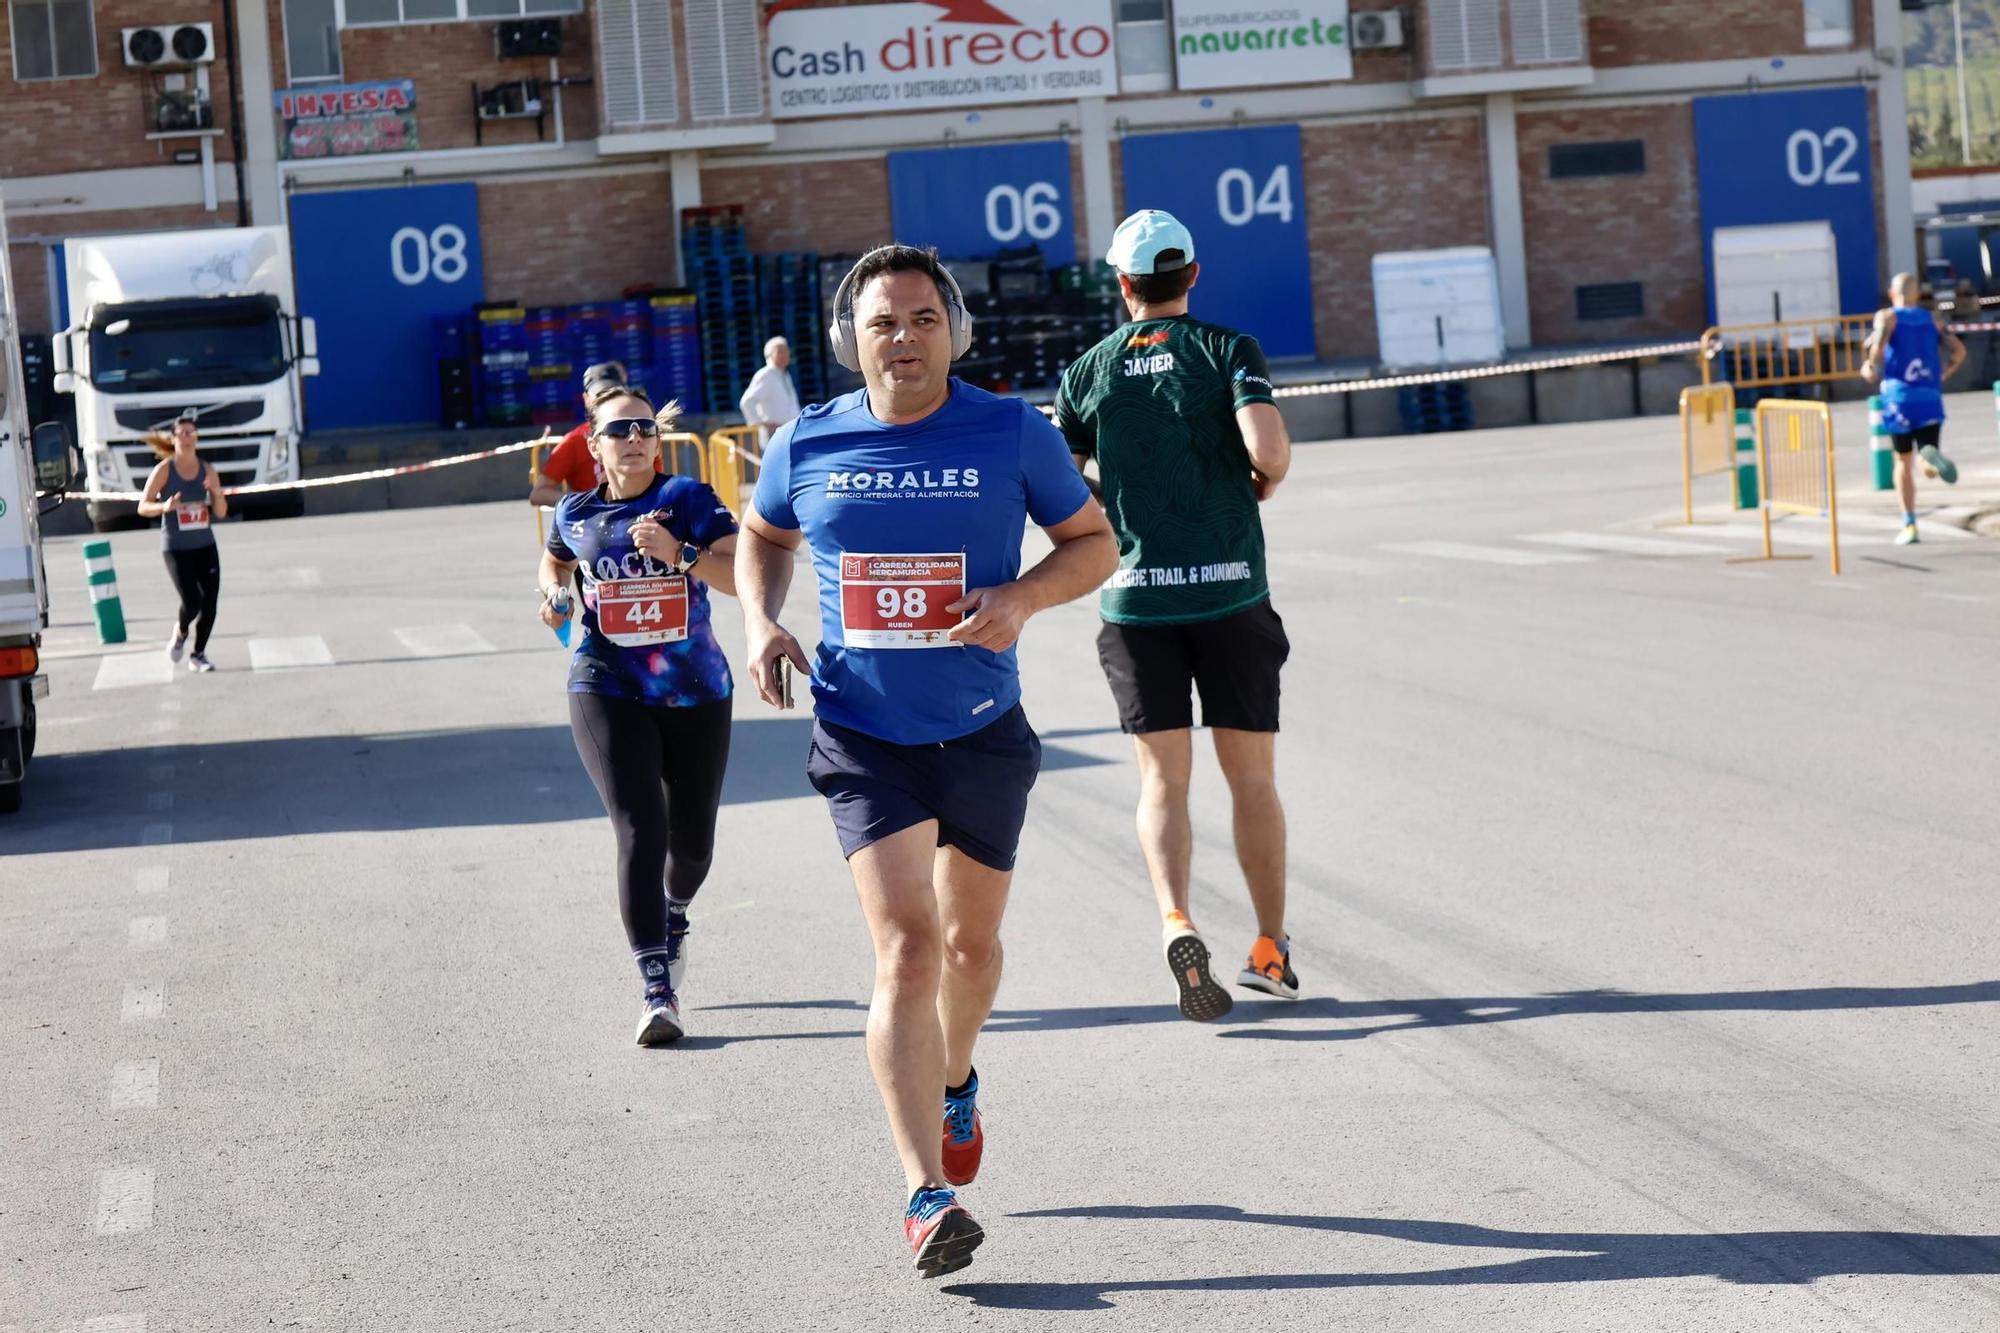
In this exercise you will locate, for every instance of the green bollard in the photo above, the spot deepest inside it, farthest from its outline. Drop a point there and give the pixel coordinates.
(1879, 446)
(1746, 459)
(104, 592)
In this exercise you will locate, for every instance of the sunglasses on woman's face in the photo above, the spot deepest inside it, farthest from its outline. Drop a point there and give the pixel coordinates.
(644, 427)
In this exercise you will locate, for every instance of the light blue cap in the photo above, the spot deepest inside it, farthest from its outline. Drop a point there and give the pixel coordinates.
(1139, 240)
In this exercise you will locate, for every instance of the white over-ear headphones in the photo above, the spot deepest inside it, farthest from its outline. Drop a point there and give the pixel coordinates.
(841, 332)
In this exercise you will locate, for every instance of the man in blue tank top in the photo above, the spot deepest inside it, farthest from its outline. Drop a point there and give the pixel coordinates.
(913, 495)
(1903, 352)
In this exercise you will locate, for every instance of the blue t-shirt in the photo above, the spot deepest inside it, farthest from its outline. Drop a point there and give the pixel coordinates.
(595, 532)
(959, 485)
(1912, 373)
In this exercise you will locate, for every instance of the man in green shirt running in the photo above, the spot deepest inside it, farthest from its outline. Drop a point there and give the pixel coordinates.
(1188, 441)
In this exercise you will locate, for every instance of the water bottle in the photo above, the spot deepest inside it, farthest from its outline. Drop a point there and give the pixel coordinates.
(559, 602)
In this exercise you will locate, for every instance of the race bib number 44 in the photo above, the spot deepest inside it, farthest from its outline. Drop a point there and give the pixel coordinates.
(636, 612)
(899, 601)
(191, 515)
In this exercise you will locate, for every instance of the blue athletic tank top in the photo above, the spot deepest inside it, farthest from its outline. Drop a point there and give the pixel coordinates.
(1912, 373)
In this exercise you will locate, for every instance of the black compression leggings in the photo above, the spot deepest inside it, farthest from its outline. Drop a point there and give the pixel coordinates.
(659, 772)
(197, 576)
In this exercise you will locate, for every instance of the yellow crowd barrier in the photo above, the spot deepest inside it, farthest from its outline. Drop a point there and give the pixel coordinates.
(1708, 438)
(534, 476)
(686, 453)
(1792, 351)
(1795, 468)
(736, 453)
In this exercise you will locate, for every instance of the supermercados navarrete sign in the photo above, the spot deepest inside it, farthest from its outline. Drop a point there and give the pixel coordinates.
(1234, 44)
(902, 57)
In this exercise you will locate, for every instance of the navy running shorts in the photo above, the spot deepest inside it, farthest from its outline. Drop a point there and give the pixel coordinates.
(976, 787)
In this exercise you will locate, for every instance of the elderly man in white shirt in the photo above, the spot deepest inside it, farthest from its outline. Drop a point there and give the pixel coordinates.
(771, 401)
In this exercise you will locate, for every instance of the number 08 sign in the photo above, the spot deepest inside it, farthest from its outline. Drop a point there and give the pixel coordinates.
(900, 601)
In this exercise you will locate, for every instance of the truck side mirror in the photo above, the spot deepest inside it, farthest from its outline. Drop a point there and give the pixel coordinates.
(54, 458)
(309, 338)
(60, 361)
(308, 365)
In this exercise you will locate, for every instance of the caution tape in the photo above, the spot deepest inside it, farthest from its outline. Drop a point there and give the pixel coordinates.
(374, 474)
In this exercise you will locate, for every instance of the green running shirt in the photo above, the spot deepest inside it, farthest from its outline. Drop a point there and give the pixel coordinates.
(1155, 404)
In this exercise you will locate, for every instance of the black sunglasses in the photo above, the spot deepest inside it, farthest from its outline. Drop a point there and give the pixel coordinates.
(620, 427)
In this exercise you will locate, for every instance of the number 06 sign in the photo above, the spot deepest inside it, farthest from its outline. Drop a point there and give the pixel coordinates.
(900, 601)
(972, 203)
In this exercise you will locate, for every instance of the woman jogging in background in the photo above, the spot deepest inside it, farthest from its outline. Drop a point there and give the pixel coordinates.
(649, 687)
(184, 494)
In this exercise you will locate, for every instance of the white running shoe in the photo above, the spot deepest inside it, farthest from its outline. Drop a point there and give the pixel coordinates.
(176, 645)
(199, 662)
(1908, 536)
(661, 1022)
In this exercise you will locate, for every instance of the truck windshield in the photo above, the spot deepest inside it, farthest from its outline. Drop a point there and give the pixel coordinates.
(194, 346)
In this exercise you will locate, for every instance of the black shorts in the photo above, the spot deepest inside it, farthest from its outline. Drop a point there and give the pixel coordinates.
(1923, 437)
(1233, 663)
(976, 787)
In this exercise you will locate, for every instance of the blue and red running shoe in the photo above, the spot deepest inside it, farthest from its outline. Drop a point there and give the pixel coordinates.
(964, 1139)
(941, 1233)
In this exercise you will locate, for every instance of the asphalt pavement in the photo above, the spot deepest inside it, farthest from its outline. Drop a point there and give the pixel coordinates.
(1643, 903)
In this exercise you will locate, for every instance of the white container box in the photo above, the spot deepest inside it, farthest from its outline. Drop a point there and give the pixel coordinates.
(1438, 307)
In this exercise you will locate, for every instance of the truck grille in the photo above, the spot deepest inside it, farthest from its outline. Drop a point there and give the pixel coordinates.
(212, 418)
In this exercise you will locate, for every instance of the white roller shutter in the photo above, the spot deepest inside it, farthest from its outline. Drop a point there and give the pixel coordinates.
(725, 61)
(1548, 32)
(1465, 34)
(635, 51)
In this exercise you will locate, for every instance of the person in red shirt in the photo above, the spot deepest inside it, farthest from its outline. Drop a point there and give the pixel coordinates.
(570, 466)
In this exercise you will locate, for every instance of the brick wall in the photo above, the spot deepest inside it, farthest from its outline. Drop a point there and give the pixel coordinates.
(838, 206)
(29, 259)
(1642, 228)
(581, 238)
(64, 125)
(1662, 32)
(1387, 185)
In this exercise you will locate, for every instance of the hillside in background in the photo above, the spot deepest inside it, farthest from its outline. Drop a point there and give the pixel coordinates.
(1933, 84)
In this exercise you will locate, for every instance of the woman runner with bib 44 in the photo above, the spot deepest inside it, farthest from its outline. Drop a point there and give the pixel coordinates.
(649, 687)
(184, 494)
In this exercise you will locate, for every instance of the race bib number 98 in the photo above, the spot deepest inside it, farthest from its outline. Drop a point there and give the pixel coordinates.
(899, 601)
(191, 515)
(636, 612)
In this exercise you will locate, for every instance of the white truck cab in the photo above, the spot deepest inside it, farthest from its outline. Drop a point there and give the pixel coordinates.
(163, 322)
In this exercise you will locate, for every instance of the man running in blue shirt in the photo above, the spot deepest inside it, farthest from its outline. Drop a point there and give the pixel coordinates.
(1903, 352)
(913, 495)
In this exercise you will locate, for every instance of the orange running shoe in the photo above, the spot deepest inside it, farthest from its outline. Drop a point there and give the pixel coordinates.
(941, 1233)
(964, 1139)
(1270, 969)
(1202, 999)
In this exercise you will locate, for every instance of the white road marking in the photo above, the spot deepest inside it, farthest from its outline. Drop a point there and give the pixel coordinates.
(147, 932)
(1957, 597)
(156, 835)
(1743, 573)
(307, 650)
(170, 722)
(1486, 555)
(170, 703)
(124, 1200)
(119, 673)
(1888, 523)
(1327, 562)
(142, 1004)
(454, 640)
(150, 879)
(1625, 544)
(135, 1085)
(159, 800)
(116, 1323)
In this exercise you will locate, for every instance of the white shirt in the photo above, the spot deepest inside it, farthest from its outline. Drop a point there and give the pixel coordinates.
(770, 401)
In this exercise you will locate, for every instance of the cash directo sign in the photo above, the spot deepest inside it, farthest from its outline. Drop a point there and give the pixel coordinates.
(856, 58)
(1231, 44)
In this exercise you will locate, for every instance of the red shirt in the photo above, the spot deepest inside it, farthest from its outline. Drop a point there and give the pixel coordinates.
(572, 463)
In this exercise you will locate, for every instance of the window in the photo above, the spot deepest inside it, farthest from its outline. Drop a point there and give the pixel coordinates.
(1547, 32)
(725, 64)
(312, 40)
(53, 39)
(1613, 157)
(1465, 34)
(1611, 300)
(635, 52)
(385, 13)
(1831, 22)
(1145, 47)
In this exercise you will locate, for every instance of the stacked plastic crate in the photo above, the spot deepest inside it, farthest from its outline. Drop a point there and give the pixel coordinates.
(676, 354)
(503, 366)
(788, 293)
(629, 342)
(549, 399)
(715, 255)
(458, 383)
(1426, 408)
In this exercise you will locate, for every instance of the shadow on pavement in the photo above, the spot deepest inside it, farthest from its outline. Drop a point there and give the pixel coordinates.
(458, 778)
(1748, 1258)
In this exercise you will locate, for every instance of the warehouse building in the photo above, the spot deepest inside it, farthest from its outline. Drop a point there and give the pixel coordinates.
(434, 156)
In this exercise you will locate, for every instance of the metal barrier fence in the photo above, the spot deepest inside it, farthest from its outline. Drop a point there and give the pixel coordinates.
(736, 454)
(1708, 438)
(1793, 351)
(1795, 468)
(686, 453)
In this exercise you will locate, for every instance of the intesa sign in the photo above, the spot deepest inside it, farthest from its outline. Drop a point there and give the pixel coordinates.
(1233, 44)
(858, 58)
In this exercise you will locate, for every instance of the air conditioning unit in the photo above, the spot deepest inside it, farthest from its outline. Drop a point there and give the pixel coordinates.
(1376, 29)
(530, 37)
(168, 44)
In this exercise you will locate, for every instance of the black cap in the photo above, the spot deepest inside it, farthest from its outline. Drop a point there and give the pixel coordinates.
(604, 372)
